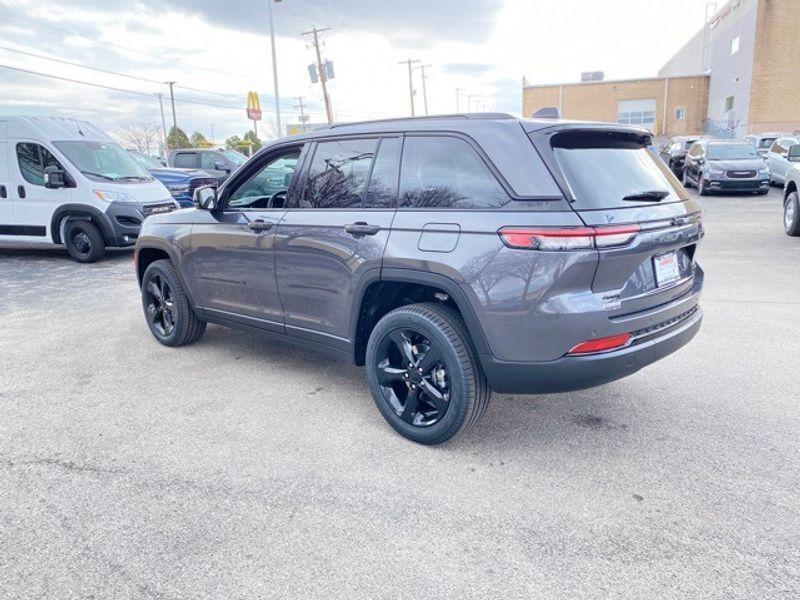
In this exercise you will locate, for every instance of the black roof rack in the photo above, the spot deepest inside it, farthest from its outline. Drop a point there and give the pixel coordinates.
(486, 116)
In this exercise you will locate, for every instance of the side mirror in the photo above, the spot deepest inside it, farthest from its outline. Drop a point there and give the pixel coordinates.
(205, 197)
(794, 153)
(221, 166)
(53, 178)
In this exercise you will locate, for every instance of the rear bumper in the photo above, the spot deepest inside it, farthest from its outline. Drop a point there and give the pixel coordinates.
(579, 372)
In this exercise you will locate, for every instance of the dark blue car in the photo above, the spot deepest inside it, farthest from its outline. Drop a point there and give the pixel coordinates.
(181, 183)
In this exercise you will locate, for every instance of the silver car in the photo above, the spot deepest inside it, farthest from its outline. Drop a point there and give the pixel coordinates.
(778, 159)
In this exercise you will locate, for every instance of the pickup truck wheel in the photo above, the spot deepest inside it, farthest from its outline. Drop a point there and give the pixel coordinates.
(791, 215)
(169, 315)
(424, 374)
(84, 241)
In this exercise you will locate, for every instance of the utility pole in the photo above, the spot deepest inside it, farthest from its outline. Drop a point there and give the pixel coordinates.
(322, 76)
(274, 70)
(301, 106)
(458, 99)
(410, 62)
(174, 118)
(165, 139)
(212, 134)
(424, 86)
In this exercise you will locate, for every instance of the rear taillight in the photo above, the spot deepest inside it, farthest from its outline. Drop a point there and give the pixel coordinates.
(568, 238)
(602, 344)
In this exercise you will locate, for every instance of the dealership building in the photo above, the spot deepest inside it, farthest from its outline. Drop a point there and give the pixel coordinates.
(739, 74)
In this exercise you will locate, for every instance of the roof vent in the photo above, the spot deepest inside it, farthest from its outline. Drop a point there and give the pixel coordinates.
(547, 112)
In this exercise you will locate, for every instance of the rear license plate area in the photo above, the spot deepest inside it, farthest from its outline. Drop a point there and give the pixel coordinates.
(666, 268)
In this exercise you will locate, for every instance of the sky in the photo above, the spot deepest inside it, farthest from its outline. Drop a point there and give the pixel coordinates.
(218, 50)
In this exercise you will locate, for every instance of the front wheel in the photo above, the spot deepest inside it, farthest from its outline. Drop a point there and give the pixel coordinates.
(170, 317)
(791, 215)
(84, 241)
(702, 186)
(685, 179)
(424, 374)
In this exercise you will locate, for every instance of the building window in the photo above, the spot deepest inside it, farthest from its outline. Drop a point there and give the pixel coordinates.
(735, 45)
(637, 112)
(728, 103)
(680, 113)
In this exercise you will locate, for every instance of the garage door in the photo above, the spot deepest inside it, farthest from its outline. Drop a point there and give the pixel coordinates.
(637, 112)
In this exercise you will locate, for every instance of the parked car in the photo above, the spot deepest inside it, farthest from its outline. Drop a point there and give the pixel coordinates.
(451, 256)
(791, 202)
(778, 159)
(762, 141)
(674, 150)
(181, 183)
(64, 181)
(725, 166)
(219, 162)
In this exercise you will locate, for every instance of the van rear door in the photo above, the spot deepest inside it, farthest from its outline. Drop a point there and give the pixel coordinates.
(613, 180)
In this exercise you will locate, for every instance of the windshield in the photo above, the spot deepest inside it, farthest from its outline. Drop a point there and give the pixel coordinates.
(236, 158)
(614, 172)
(732, 152)
(145, 161)
(103, 161)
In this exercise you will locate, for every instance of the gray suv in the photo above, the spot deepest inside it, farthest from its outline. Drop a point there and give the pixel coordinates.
(451, 256)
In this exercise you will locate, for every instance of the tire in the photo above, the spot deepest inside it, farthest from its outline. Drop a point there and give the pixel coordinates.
(791, 215)
(685, 179)
(451, 394)
(172, 321)
(762, 192)
(84, 241)
(702, 187)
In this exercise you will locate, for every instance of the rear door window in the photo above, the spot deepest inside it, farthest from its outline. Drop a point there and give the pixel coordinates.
(337, 176)
(446, 172)
(186, 160)
(382, 187)
(610, 170)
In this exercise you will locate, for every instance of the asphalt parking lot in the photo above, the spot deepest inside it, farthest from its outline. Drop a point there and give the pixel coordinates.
(245, 468)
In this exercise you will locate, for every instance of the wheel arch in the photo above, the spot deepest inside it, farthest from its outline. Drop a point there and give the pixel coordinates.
(80, 211)
(153, 250)
(791, 186)
(380, 292)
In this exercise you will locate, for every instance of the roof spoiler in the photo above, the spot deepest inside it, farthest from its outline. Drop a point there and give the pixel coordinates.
(547, 112)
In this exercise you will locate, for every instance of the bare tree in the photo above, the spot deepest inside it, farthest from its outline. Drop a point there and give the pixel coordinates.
(144, 136)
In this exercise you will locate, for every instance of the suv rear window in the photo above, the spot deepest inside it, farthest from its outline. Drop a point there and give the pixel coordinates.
(602, 168)
(185, 160)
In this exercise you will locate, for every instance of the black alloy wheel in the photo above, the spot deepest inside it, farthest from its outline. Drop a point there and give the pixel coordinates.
(160, 305)
(423, 372)
(170, 317)
(413, 377)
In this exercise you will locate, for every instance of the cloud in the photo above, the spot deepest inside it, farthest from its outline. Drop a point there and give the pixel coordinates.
(468, 69)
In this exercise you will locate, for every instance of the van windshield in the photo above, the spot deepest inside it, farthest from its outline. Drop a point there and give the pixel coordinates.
(103, 161)
(614, 170)
(727, 151)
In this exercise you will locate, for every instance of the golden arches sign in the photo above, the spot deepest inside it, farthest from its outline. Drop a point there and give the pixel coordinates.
(253, 106)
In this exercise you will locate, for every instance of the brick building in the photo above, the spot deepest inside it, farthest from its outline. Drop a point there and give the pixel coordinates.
(739, 74)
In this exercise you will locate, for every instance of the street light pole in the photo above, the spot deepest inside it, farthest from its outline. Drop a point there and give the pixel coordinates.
(275, 69)
(458, 99)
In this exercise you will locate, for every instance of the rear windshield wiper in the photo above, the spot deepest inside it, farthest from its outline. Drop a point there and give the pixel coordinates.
(99, 175)
(648, 196)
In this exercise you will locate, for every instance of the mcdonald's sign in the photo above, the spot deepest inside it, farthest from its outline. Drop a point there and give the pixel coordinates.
(253, 106)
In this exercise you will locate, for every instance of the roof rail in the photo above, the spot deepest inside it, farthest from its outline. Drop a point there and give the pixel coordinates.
(477, 116)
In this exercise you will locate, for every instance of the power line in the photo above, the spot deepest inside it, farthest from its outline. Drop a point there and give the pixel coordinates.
(160, 59)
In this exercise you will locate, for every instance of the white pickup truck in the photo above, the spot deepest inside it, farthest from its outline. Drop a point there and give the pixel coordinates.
(791, 201)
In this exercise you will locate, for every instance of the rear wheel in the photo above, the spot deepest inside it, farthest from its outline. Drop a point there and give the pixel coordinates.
(791, 215)
(423, 373)
(84, 241)
(170, 317)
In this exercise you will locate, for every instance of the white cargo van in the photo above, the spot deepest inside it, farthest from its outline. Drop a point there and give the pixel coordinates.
(64, 181)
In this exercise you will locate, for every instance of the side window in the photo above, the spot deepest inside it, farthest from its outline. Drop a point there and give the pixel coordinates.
(186, 160)
(267, 188)
(33, 159)
(382, 187)
(778, 146)
(208, 160)
(337, 176)
(445, 172)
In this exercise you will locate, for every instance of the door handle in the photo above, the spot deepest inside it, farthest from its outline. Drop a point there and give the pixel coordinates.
(260, 225)
(21, 191)
(360, 228)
